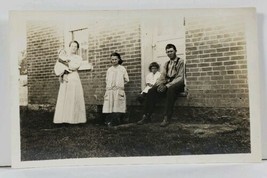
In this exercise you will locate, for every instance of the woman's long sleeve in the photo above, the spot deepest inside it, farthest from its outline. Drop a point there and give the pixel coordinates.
(75, 64)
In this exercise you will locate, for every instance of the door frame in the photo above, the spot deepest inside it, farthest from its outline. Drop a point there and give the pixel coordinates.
(147, 45)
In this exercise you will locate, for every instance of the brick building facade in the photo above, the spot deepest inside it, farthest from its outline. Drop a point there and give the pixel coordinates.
(216, 70)
(216, 62)
(43, 41)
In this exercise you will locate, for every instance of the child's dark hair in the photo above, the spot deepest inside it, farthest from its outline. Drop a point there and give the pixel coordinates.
(74, 41)
(153, 64)
(118, 56)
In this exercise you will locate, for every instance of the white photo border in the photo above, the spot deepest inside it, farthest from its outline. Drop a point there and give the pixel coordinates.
(18, 17)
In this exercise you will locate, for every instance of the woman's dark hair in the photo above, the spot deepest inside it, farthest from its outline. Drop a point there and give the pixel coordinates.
(74, 41)
(153, 64)
(168, 46)
(118, 56)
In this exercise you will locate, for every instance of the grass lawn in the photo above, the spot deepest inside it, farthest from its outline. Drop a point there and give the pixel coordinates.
(43, 140)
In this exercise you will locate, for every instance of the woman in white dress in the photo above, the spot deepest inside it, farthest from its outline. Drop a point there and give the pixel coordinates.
(70, 107)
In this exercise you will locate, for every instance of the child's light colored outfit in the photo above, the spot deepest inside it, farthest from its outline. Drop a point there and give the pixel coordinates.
(151, 79)
(115, 98)
(60, 68)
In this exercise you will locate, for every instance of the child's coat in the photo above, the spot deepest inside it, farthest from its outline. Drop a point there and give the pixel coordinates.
(115, 98)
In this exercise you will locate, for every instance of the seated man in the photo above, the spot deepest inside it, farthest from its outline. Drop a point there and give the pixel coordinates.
(170, 84)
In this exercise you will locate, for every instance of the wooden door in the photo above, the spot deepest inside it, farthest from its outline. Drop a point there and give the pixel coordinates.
(171, 31)
(156, 34)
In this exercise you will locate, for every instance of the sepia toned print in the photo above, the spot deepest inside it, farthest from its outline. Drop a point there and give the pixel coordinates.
(211, 114)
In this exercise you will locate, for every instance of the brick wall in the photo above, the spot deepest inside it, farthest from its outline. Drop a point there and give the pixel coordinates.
(215, 58)
(43, 41)
(123, 38)
(216, 62)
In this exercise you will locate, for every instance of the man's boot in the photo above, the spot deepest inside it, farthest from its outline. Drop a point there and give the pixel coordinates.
(165, 122)
(144, 120)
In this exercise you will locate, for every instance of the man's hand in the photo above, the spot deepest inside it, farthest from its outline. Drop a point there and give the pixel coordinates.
(161, 88)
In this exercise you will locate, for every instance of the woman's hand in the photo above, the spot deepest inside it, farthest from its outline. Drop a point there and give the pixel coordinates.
(60, 60)
(63, 62)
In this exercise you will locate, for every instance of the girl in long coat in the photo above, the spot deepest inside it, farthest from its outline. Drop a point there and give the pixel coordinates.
(115, 98)
(70, 107)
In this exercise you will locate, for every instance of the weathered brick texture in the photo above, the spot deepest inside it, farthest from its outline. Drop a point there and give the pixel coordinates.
(216, 67)
(216, 70)
(43, 41)
(123, 38)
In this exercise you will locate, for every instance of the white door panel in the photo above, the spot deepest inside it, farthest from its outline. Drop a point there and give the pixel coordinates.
(162, 38)
(157, 35)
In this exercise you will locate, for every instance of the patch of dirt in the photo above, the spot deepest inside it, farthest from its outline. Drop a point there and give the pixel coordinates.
(208, 130)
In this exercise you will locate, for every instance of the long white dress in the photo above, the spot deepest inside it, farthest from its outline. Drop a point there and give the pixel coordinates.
(70, 107)
(115, 98)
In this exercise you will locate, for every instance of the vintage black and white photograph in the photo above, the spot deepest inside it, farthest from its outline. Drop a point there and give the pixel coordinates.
(135, 86)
